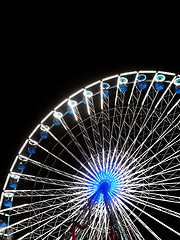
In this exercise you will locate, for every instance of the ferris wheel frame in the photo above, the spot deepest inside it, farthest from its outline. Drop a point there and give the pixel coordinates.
(122, 81)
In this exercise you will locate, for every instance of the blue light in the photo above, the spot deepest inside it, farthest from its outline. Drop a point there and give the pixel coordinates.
(70, 111)
(56, 122)
(177, 90)
(107, 181)
(123, 88)
(8, 204)
(105, 85)
(44, 135)
(3, 224)
(21, 167)
(159, 86)
(84, 101)
(13, 185)
(142, 85)
(141, 77)
(105, 93)
(31, 150)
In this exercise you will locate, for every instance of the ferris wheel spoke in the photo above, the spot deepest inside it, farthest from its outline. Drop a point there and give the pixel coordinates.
(161, 172)
(116, 122)
(152, 205)
(93, 226)
(160, 137)
(85, 135)
(121, 125)
(53, 228)
(57, 171)
(49, 180)
(94, 124)
(140, 170)
(145, 120)
(161, 197)
(74, 138)
(149, 194)
(84, 132)
(76, 142)
(100, 223)
(149, 215)
(51, 218)
(158, 184)
(132, 226)
(64, 162)
(46, 192)
(154, 128)
(128, 220)
(139, 219)
(42, 204)
(80, 162)
(132, 121)
(20, 225)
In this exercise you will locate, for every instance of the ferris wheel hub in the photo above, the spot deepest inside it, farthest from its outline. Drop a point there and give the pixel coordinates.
(105, 186)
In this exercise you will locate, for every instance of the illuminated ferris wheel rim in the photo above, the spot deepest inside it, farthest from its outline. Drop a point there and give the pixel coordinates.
(122, 83)
(122, 80)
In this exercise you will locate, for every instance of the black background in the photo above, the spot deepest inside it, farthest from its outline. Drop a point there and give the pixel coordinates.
(46, 60)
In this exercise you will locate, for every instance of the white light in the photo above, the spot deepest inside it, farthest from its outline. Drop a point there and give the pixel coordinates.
(72, 103)
(128, 73)
(22, 158)
(105, 85)
(93, 84)
(34, 131)
(147, 71)
(33, 142)
(123, 80)
(76, 93)
(88, 94)
(57, 115)
(167, 73)
(101, 88)
(8, 195)
(61, 104)
(177, 81)
(15, 176)
(160, 78)
(44, 128)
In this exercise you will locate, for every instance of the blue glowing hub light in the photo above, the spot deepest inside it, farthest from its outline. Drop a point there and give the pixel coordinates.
(107, 182)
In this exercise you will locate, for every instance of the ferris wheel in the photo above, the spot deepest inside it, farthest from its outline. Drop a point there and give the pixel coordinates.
(104, 164)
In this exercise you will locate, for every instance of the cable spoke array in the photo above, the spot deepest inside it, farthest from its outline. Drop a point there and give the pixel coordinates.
(104, 164)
